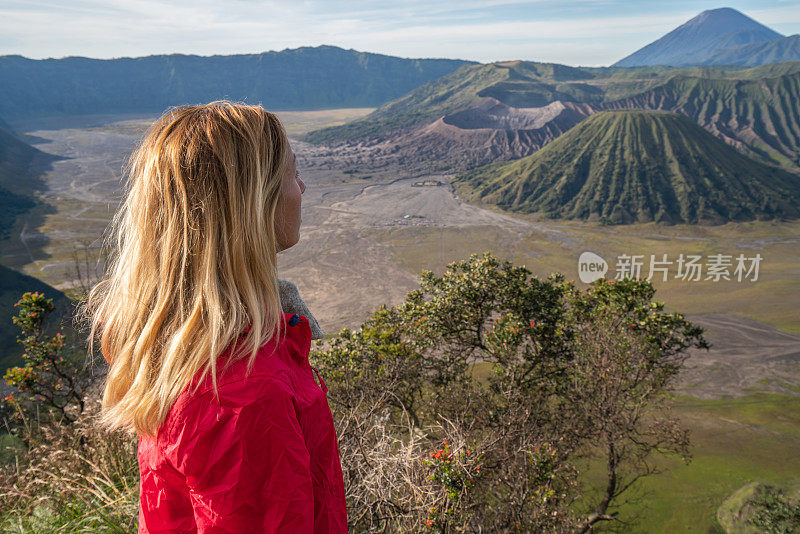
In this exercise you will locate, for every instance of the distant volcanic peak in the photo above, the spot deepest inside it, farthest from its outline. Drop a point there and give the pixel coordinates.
(723, 18)
(713, 23)
(694, 41)
(637, 166)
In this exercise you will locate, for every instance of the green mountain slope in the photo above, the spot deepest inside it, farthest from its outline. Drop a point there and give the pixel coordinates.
(526, 84)
(628, 166)
(755, 109)
(759, 115)
(18, 170)
(20, 167)
(302, 78)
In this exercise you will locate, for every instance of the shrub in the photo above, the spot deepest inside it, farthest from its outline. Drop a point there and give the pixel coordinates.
(53, 378)
(773, 512)
(572, 374)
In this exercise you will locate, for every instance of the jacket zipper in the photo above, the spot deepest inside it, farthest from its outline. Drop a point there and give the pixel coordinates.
(324, 387)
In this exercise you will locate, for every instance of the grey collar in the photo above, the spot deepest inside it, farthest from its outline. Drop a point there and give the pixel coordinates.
(291, 302)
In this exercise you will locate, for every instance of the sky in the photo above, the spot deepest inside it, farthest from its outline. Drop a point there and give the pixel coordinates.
(571, 32)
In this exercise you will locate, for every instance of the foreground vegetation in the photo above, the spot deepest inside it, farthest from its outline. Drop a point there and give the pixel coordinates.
(488, 399)
(686, 498)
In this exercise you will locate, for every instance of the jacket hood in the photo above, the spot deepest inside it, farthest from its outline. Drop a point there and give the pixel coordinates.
(291, 302)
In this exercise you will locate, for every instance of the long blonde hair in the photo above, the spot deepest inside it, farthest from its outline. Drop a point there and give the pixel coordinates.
(195, 259)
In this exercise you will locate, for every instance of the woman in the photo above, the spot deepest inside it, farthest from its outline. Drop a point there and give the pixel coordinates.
(205, 365)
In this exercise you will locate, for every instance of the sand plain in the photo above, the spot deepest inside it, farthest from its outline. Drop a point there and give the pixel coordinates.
(370, 226)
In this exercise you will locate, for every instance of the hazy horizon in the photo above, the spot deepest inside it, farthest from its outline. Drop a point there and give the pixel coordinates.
(576, 32)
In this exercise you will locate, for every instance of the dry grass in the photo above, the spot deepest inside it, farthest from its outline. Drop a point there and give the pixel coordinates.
(79, 478)
(73, 478)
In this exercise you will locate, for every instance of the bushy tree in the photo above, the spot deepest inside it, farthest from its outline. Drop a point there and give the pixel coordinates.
(53, 378)
(427, 443)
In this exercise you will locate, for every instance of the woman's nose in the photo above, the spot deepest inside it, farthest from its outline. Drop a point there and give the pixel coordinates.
(302, 185)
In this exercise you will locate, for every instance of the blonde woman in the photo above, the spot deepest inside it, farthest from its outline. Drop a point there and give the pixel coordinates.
(206, 363)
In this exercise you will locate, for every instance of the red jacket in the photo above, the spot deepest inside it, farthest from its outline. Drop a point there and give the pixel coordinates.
(265, 459)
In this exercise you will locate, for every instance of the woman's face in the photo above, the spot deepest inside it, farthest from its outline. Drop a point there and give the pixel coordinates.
(287, 215)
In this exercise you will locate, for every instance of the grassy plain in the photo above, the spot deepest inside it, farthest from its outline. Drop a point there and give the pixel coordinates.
(734, 441)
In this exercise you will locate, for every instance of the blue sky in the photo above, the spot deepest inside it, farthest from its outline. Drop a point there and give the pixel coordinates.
(582, 32)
